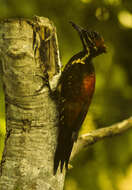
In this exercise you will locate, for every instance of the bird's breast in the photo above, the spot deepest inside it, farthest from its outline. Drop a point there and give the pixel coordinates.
(88, 86)
(79, 84)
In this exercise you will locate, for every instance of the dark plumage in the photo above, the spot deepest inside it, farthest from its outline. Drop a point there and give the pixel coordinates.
(76, 87)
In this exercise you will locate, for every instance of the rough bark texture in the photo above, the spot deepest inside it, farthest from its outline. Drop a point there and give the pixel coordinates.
(29, 56)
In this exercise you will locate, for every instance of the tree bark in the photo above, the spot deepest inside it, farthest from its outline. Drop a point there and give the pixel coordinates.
(30, 61)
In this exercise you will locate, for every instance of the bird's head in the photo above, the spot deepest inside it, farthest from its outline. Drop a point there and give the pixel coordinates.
(92, 41)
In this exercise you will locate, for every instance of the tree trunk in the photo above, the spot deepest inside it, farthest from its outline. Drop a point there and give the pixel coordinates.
(30, 62)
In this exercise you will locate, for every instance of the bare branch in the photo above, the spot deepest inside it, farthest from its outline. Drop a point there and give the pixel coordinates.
(99, 134)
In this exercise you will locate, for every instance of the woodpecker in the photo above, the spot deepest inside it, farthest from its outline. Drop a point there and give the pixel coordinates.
(76, 86)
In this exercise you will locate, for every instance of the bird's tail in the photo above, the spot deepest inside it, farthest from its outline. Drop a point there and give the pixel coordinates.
(63, 150)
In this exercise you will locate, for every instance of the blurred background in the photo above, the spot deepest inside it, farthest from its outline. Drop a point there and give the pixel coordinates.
(107, 165)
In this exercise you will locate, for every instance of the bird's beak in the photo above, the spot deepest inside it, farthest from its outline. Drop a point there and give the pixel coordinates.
(82, 33)
(76, 27)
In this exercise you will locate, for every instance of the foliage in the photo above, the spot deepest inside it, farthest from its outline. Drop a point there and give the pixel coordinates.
(107, 164)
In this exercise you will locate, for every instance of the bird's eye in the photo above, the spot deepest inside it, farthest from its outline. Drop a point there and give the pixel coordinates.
(94, 35)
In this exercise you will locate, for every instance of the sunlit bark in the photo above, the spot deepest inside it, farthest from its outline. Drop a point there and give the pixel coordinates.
(30, 58)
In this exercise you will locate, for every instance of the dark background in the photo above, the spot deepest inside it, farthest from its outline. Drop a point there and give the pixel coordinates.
(106, 165)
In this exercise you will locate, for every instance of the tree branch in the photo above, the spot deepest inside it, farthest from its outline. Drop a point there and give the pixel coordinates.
(99, 134)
